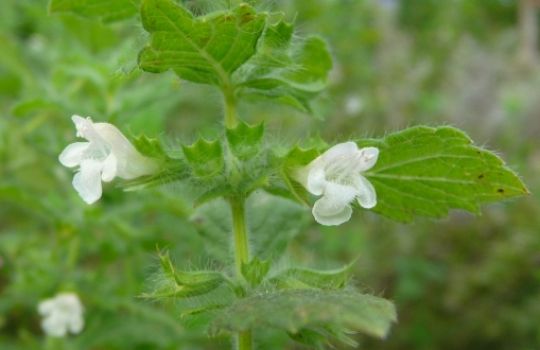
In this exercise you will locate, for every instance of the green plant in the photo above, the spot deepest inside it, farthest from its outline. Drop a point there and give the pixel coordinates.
(250, 55)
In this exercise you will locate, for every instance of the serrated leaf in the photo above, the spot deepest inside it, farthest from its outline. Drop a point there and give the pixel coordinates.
(182, 284)
(286, 70)
(311, 278)
(244, 140)
(425, 171)
(205, 157)
(205, 49)
(104, 10)
(294, 310)
(287, 187)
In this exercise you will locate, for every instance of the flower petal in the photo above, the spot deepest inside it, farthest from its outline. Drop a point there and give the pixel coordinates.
(46, 307)
(327, 213)
(109, 168)
(367, 157)
(367, 197)
(72, 155)
(76, 324)
(87, 181)
(340, 150)
(316, 181)
(54, 325)
(130, 163)
(333, 208)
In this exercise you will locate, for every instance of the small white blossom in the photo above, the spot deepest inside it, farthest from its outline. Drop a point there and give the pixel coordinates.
(336, 176)
(107, 154)
(61, 314)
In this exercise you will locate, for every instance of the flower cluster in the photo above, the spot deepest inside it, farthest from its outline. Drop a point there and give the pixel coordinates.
(107, 154)
(62, 314)
(336, 176)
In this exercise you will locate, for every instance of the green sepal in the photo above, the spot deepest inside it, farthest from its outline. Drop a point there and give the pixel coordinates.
(255, 271)
(291, 162)
(150, 147)
(182, 284)
(205, 157)
(310, 278)
(245, 140)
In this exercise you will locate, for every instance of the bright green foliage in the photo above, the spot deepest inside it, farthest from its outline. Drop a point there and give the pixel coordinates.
(244, 140)
(105, 10)
(310, 278)
(294, 310)
(424, 171)
(149, 147)
(236, 50)
(181, 284)
(286, 70)
(203, 50)
(255, 271)
(204, 157)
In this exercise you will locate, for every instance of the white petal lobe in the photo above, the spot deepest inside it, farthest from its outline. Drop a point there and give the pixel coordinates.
(72, 155)
(87, 182)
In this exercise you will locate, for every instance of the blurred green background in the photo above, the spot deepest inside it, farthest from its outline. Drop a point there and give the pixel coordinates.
(463, 283)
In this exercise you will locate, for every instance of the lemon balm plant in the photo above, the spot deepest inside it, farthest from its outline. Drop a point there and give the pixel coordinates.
(247, 55)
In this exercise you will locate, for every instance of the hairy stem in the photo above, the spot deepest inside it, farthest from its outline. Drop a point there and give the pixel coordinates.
(241, 255)
(241, 249)
(231, 118)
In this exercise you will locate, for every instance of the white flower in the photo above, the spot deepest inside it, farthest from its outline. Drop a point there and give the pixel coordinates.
(336, 176)
(61, 314)
(107, 154)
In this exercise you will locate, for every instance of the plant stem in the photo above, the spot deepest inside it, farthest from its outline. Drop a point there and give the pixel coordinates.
(241, 249)
(231, 118)
(241, 255)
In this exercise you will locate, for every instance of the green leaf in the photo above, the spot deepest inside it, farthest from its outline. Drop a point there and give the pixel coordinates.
(286, 70)
(181, 284)
(205, 49)
(424, 171)
(255, 271)
(295, 310)
(104, 10)
(310, 278)
(272, 223)
(244, 140)
(204, 157)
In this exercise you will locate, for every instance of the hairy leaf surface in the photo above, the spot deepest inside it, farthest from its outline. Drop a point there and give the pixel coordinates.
(286, 70)
(294, 310)
(425, 171)
(204, 49)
